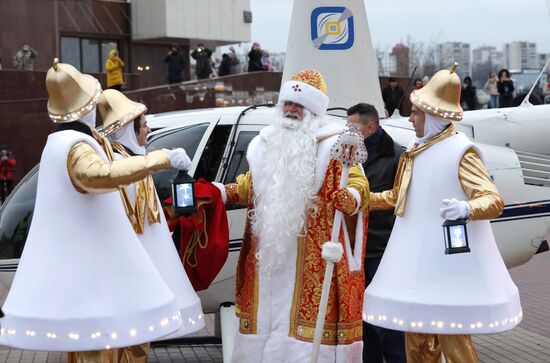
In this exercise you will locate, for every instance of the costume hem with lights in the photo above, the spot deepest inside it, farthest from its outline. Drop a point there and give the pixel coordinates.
(418, 288)
(83, 282)
(144, 211)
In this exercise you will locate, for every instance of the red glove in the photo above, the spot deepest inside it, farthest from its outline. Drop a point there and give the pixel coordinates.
(344, 201)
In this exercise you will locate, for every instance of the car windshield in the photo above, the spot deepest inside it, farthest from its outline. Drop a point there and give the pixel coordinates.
(188, 138)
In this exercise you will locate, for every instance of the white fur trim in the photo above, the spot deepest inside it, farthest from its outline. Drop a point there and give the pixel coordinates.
(305, 95)
(332, 251)
(357, 197)
(221, 187)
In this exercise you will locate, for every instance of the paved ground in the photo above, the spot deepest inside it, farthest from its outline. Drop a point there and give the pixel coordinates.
(529, 342)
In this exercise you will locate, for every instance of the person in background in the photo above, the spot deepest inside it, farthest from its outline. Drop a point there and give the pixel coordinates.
(176, 64)
(379, 344)
(202, 55)
(491, 88)
(235, 62)
(7, 166)
(255, 58)
(114, 66)
(266, 63)
(505, 88)
(392, 95)
(468, 95)
(225, 66)
(24, 58)
(418, 83)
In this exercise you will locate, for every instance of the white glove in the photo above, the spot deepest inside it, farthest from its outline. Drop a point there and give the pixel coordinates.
(179, 159)
(453, 209)
(332, 251)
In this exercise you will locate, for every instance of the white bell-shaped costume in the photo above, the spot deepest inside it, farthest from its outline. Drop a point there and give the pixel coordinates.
(420, 289)
(84, 281)
(157, 241)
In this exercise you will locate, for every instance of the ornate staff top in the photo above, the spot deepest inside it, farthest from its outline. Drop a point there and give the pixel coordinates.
(349, 149)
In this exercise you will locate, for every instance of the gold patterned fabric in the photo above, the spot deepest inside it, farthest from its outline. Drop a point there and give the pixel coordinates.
(93, 356)
(484, 199)
(90, 173)
(428, 348)
(146, 203)
(133, 354)
(343, 324)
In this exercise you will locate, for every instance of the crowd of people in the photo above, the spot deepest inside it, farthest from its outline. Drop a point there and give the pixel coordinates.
(498, 87)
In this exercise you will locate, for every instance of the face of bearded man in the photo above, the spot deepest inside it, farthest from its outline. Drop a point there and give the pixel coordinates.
(285, 188)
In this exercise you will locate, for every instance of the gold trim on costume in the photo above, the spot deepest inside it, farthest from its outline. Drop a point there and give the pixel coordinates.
(397, 197)
(77, 115)
(90, 173)
(435, 111)
(111, 129)
(146, 199)
(483, 197)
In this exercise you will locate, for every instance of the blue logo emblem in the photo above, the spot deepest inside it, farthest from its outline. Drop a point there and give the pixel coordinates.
(332, 28)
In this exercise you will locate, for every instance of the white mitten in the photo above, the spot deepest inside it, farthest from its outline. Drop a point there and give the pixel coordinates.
(332, 251)
(178, 158)
(453, 209)
(221, 187)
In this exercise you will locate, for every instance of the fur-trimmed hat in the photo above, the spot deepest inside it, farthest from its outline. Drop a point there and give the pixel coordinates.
(306, 88)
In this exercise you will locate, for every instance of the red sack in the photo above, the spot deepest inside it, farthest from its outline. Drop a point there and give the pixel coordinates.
(204, 236)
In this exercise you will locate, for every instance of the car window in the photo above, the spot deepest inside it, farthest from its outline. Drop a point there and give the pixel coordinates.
(212, 155)
(188, 138)
(238, 163)
(16, 215)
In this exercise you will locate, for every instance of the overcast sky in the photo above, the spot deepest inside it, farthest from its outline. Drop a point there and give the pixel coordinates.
(478, 22)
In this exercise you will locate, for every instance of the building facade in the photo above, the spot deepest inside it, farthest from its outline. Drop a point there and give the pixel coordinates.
(520, 55)
(83, 32)
(449, 52)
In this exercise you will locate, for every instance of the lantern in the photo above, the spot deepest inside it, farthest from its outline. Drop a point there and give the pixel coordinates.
(456, 237)
(183, 193)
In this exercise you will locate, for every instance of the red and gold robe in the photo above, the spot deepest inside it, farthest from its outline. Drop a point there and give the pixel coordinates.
(277, 315)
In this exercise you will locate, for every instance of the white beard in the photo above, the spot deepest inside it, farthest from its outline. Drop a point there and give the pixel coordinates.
(283, 195)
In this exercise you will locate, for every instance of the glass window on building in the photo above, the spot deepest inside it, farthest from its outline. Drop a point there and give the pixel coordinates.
(70, 51)
(90, 56)
(85, 54)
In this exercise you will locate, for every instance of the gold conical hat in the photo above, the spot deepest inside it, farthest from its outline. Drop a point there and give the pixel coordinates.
(441, 96)
(117, 110)
(71, 93)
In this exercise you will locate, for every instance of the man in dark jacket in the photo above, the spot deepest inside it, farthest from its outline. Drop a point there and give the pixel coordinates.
(379, 344)
(176, 63)
(255, 58)
(392, 95)
(204, 63)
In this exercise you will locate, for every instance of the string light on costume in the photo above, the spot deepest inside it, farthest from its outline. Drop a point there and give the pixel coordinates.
(51, 335)
(164, 322)
(96, 335)
(133, 332)
(75, 115)
(74, 336)
(151, 328)
(114, 335)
